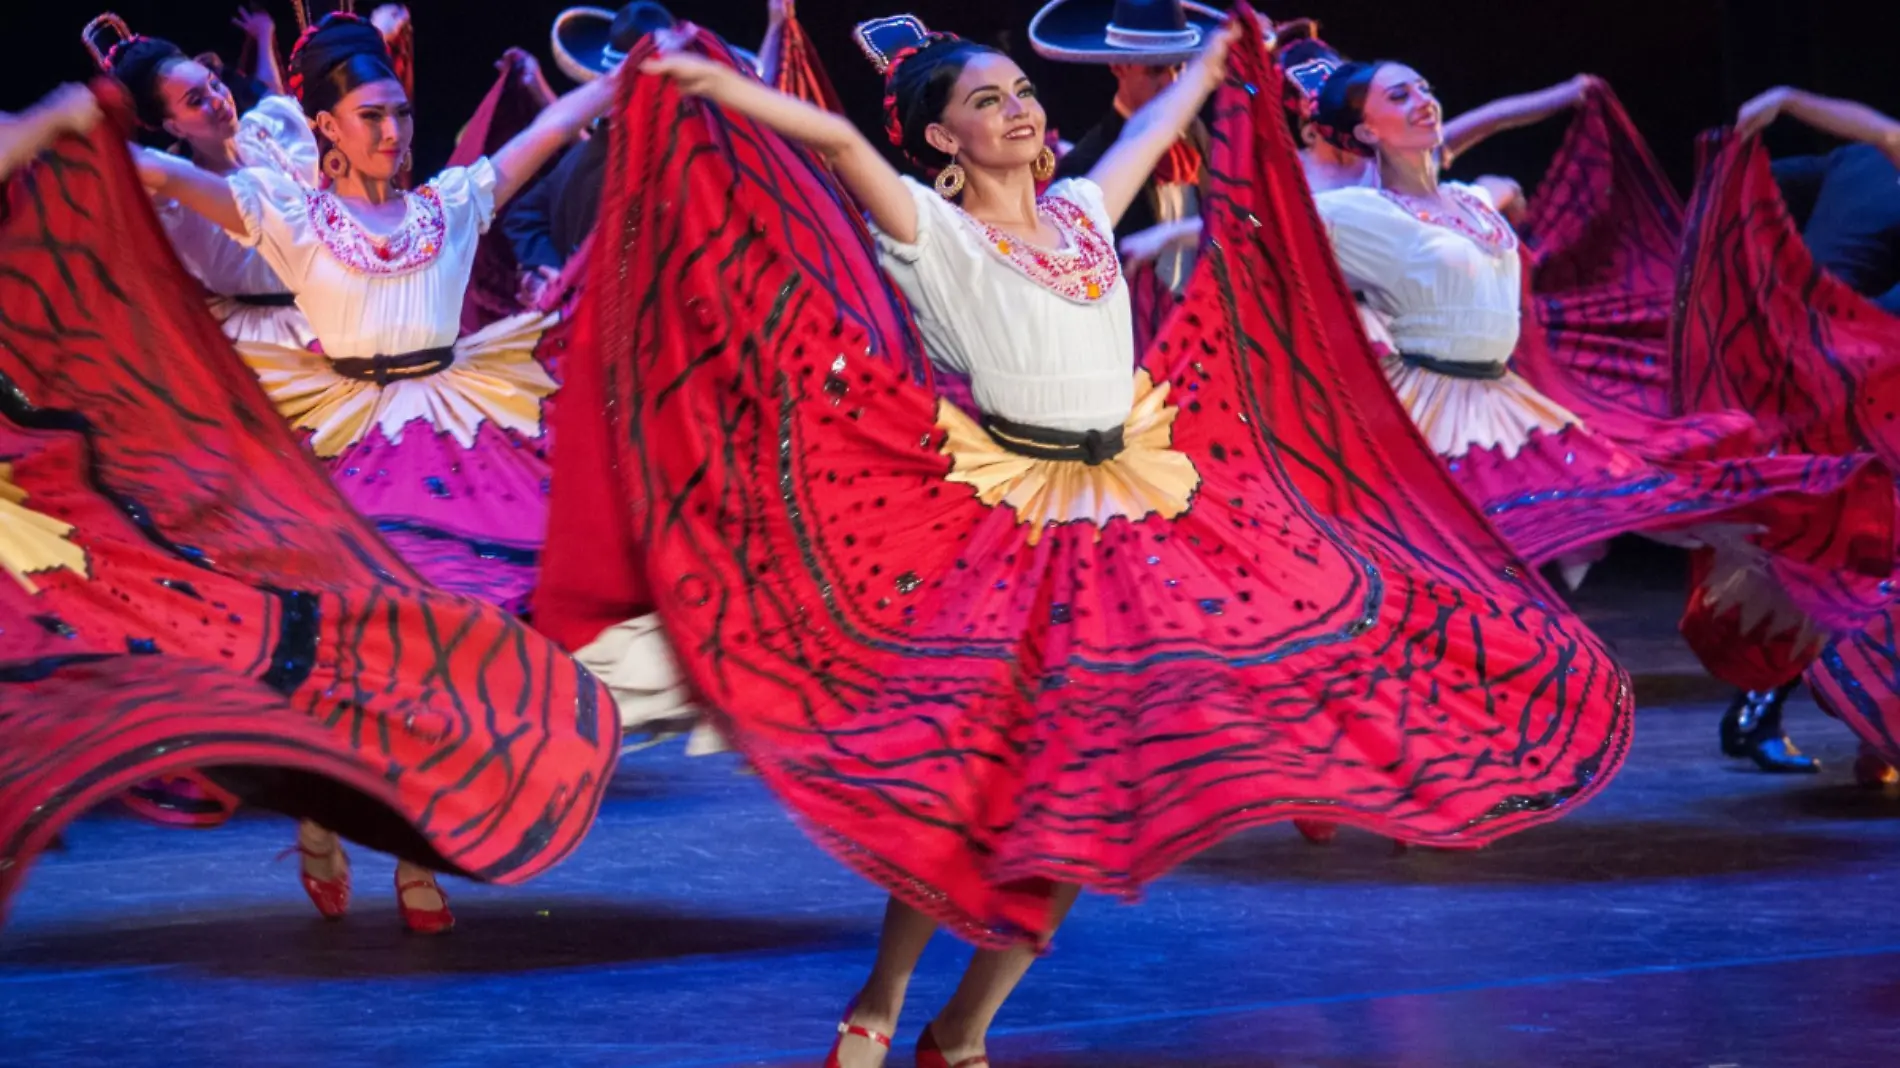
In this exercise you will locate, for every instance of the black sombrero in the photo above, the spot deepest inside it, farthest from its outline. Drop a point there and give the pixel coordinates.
(591, 41)
(1123, 31)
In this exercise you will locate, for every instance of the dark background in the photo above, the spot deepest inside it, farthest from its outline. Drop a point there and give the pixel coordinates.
(1679, 65)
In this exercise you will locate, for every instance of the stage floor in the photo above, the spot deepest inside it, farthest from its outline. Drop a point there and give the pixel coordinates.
(1699, 914)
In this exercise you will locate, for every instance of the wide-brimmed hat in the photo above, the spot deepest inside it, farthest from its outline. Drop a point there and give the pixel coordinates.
(1154, 32)
(591, 41)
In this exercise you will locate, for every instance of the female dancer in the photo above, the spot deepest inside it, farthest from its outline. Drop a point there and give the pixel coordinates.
(1336, 163)
(382, 272)
(440, 441)
(1441, 262)
(178, 95)
(185, 592)
(1076, 642)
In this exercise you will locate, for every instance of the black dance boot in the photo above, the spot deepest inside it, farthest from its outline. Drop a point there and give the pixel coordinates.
(1752, 729)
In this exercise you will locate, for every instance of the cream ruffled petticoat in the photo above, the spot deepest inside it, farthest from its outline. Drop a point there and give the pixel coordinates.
(278, 327)
(495, 377)
(1457, 415)
(637, 664)
(31, 542)
(1148, 477)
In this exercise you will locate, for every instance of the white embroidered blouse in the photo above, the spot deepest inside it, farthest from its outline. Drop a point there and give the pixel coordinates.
(1444, 294)
(1046, 335)
(367, 294)
(275, 135)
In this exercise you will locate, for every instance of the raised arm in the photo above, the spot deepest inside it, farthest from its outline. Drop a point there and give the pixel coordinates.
(559, 123)
(772, 49)
(1124, 169)
(527, 70)
(870, 179)
(1842, 118)
(262, 30)
(192, 187)
(68, 109)
(1471, 129)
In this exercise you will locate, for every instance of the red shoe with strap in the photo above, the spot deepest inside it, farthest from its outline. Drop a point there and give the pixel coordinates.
(930, 1055)
(433, 921)
(331, 896)
(847, 1029)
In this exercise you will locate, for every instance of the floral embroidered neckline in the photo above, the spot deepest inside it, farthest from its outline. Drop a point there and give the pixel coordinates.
(1490, 232)
(413, 245)
(1085, 270)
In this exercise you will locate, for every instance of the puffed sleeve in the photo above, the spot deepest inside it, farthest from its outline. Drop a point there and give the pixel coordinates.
(1479, 191)
(939, 269)
(1365, 231)
(468, 194)
(1086, 195)
(275, 134)
(276, 213)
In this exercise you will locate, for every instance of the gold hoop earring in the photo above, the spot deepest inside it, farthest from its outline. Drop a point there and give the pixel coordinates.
(1045, 166)
(403, 167)
(336, 165)
(950, 181)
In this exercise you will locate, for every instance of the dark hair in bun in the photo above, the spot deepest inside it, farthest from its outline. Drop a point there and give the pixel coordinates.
(918, 88)
(140, 64)
(1342, 104)
(336, 57)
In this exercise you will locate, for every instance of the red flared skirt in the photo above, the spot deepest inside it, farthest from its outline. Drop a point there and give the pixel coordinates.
(1763, 326)
(966, 705)
(1600, 285)
(184, 589)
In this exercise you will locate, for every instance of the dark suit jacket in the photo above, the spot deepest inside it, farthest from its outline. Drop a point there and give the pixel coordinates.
(1096, 143)
(1848, 205)
(549, 222)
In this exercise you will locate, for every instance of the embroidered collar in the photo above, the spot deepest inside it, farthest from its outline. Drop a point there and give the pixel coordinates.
(1085, 270)
(414, 245)
(1479, 222)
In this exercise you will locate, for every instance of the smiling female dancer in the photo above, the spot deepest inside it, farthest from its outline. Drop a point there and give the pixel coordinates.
(1075, 636)
(438, 438)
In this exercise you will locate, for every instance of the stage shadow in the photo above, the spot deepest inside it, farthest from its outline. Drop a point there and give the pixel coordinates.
(1666, 687)
(1837, 802)
(492, 937)
(1148, 1058)
(1564, 852)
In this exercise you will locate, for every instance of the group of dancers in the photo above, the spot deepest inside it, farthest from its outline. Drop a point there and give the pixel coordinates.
(1029, 518)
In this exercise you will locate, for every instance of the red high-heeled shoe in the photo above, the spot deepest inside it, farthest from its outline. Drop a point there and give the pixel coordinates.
(847, 1029)
(331, 896)
(930, 1055)
(424, 921)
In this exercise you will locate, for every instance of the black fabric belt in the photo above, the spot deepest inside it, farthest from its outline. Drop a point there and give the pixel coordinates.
(383, 370)
(1455, 368)
(1092, 447)
(267, 300)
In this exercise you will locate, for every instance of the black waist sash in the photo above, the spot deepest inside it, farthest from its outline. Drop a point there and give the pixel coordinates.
(383, 370)
(1455, 368)
(1092, 447)
(267, 300)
